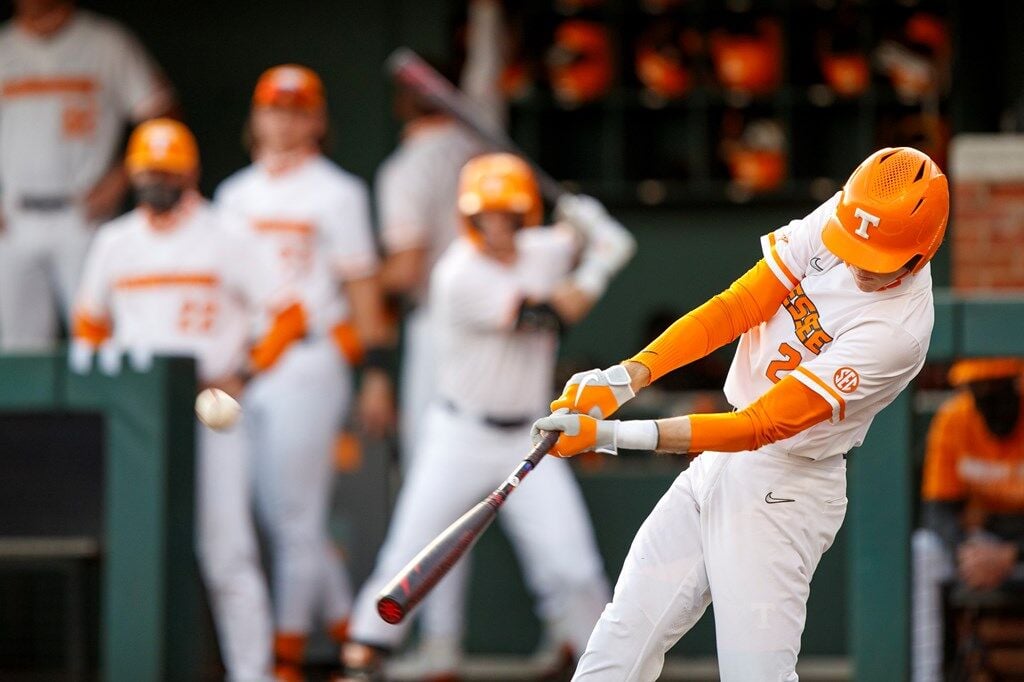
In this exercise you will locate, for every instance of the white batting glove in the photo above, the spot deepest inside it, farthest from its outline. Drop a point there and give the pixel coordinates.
(596, 392)
(580, 433)
(608, 245)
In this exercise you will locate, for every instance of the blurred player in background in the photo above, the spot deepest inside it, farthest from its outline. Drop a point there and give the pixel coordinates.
(315, 218)
(70, 81)
(834, 322)
(416, 191)
(170, 277)
(973, 494)
(499, 297)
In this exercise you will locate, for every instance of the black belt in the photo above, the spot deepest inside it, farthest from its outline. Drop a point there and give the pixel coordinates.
(496, 422)
(45, 204)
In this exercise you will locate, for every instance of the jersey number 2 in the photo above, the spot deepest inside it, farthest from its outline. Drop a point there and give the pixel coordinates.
(791, 359)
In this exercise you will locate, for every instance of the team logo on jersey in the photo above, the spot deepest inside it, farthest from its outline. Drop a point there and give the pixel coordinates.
(806, 320)
(866, 220)
(846, 379)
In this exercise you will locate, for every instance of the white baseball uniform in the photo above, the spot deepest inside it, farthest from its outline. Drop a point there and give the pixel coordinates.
(493, 379)
(746, 530)
(194, 289)
(64, 103)
(315, 219)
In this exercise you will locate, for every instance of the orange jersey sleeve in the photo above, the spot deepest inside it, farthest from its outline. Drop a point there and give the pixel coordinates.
(289, 325)
(94, 331)
(788, 408)
(751, 300)
(940, 481)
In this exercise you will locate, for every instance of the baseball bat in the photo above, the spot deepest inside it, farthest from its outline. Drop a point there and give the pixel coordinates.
(412, 71)
(414, 582)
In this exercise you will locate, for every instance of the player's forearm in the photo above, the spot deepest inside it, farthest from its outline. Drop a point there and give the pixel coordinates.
(403, 271)
(751, 300)
(481, 76)
(366, 299)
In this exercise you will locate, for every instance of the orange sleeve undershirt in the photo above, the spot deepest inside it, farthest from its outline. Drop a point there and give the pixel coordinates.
(785, 410)
(751, 300)
(940, 481)
(288, 325)
(346, 339)
(94, 331)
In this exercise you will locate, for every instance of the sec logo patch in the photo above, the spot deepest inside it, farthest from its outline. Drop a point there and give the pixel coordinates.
(846, 379)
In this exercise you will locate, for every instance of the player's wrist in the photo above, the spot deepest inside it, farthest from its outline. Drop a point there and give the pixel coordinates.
(639, 375)
(636, 434)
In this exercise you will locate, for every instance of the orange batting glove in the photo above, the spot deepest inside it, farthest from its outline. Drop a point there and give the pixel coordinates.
(596, 392)
(580, 433)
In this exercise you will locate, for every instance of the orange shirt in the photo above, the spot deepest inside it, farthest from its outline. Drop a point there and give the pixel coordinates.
(964, 461)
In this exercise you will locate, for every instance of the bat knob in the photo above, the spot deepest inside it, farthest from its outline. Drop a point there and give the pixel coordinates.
(390, 610)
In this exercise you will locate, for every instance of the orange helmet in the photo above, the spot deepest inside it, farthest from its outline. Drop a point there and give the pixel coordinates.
(580, 62)
(289, 85)
(745, 63)
(983, 369)
(162, 144)
(499, 182)
(894, 207)
(848, 74)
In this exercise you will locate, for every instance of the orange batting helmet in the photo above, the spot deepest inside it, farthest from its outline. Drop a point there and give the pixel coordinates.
(499, 182)
(892, 209)
(291, 86)
(162, 144)
(580, 61)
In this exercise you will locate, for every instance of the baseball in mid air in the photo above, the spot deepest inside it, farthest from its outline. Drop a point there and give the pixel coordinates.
(217, 409)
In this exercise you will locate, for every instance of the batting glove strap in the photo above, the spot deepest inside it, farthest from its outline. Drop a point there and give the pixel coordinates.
(596, 392)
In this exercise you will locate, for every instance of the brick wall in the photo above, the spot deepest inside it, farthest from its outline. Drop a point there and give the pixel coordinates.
(987, 225)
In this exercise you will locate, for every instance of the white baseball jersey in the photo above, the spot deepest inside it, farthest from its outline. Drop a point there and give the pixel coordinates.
(64, 102)
(316, 220)
(417, 190)
(857, 350)
(484, 365)
(192, 289)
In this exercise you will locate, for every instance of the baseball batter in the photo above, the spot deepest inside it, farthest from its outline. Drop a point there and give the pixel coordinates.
(69, 82)
(416, 191)
(171, 278)
(833, 324)
(315, 219)
(500, 294)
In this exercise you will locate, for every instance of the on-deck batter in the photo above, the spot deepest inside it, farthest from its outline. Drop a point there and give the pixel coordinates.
(315, 219)
(834, 323)
(69, 82)
(170, 278)
(499, 296)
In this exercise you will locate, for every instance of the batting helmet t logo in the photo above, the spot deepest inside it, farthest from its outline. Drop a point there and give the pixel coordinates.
(866, 219)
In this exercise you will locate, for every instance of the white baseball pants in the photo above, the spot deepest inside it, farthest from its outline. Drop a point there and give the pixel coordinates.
(443, 614)
(41, 259)
(932, 565)
(545, 519)
(745, 530)
(229, 554)
(293, 413)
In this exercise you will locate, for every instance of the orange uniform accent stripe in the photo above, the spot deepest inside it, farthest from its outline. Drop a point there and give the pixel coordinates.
(26, 87)
(289, 325)
(168, 280)
(293, 226)
(842, 403)
(778, 261)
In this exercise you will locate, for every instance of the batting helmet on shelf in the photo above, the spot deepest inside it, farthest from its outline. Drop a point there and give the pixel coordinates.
(748, 63)
(163, 145)
(848, 74)
(662, 60)
(580, 62)
(291, 86)
(498, 182)
(893, 209)
(757, 160)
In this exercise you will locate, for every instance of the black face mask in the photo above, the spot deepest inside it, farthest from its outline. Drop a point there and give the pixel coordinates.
(999, 404)
(158, 196)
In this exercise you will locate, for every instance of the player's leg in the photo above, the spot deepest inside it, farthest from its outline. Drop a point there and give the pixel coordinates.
(559, 556)
(417, 383)
(761, 552)
(300, 402)
(68, 258)
(228, 554)
(447, 478)
(932, 566)
(661, 592)
(28, 319)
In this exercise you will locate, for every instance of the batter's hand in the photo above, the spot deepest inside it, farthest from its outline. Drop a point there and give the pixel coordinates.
(596, 392)
(580, 434)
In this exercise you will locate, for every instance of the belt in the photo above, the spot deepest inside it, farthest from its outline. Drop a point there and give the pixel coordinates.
(489, 420)
(45, 204)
